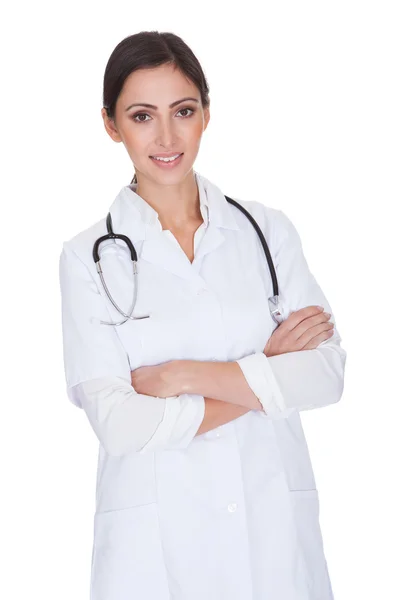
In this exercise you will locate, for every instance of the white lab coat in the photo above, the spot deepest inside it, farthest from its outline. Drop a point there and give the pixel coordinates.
(232, 514)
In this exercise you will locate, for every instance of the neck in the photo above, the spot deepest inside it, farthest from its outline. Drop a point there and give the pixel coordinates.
(177, 205)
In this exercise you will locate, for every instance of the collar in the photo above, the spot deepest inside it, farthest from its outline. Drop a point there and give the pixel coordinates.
(133, 216)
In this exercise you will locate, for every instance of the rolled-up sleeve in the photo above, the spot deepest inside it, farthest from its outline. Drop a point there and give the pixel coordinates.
(98, 374)
(125, 421)
(304, 379)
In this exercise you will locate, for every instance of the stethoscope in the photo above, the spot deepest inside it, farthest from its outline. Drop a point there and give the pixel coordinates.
(274, 303)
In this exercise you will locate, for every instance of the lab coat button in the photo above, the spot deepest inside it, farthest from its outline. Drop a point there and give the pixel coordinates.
(232, 507)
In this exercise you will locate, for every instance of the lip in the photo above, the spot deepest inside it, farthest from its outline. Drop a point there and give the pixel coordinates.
(167, 165)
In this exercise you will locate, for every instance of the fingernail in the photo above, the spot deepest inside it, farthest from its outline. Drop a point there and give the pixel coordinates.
(320, 307)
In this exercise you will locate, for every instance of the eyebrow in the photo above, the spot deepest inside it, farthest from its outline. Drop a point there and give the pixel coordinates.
(155, 107)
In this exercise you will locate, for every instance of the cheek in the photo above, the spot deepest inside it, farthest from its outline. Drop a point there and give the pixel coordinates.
(193, 134)
(136, 142)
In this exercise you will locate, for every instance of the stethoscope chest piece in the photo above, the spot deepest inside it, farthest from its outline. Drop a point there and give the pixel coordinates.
(275, 309)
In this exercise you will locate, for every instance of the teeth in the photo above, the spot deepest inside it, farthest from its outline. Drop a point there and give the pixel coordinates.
(169, 159)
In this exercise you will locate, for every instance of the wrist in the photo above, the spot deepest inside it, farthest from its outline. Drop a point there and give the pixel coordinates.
(184, 373)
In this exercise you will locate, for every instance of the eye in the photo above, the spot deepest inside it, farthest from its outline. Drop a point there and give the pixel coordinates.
(142, 114)
(191, 109)
(139, 115)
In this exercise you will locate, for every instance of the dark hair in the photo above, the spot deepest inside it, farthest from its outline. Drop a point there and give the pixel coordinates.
(149, 49)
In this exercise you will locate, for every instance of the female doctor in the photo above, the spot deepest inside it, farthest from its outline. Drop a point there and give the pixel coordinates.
(205, 489)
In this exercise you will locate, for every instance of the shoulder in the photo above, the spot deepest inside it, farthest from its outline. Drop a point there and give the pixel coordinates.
(81, 244)
(273, 222)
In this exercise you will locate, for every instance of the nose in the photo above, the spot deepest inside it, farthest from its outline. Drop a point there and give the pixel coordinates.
(166, 134)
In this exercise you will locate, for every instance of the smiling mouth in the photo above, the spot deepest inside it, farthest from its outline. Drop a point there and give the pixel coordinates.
(167, 159)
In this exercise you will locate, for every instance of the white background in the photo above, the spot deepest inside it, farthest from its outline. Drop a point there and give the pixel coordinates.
(305, 118)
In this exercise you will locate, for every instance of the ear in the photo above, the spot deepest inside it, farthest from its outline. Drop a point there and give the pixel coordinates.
(109, 125)
(206, 117)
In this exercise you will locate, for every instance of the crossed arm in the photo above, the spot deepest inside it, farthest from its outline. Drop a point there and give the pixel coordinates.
(276, 385)
(188, 398)
(156, 409)
(227, 395)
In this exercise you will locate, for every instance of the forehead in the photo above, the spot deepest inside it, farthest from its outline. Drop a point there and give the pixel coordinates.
(160, 86)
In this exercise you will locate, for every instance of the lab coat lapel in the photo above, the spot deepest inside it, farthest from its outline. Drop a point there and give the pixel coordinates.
(221, 219)
(213, 237)
(162, 251)
(135, 218)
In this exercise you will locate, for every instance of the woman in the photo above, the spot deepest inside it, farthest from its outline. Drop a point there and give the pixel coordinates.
(205, 487)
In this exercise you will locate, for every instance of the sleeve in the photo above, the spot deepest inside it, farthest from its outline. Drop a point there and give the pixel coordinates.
(98, 375)
(90, 349)
(136, 422)
(305, 379)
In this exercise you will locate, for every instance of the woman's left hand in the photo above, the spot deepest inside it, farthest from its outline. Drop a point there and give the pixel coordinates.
(161, 380)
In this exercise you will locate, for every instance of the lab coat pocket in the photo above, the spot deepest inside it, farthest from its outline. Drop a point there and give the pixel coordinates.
(305, 510)
(127, 559)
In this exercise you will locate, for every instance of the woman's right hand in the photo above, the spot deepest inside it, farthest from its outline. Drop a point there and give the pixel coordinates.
(304, 329)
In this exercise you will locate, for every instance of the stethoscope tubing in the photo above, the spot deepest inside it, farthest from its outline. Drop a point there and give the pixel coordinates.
(273, 301)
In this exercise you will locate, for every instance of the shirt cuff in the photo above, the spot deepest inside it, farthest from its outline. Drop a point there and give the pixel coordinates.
(261, 379)
(182, 418)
